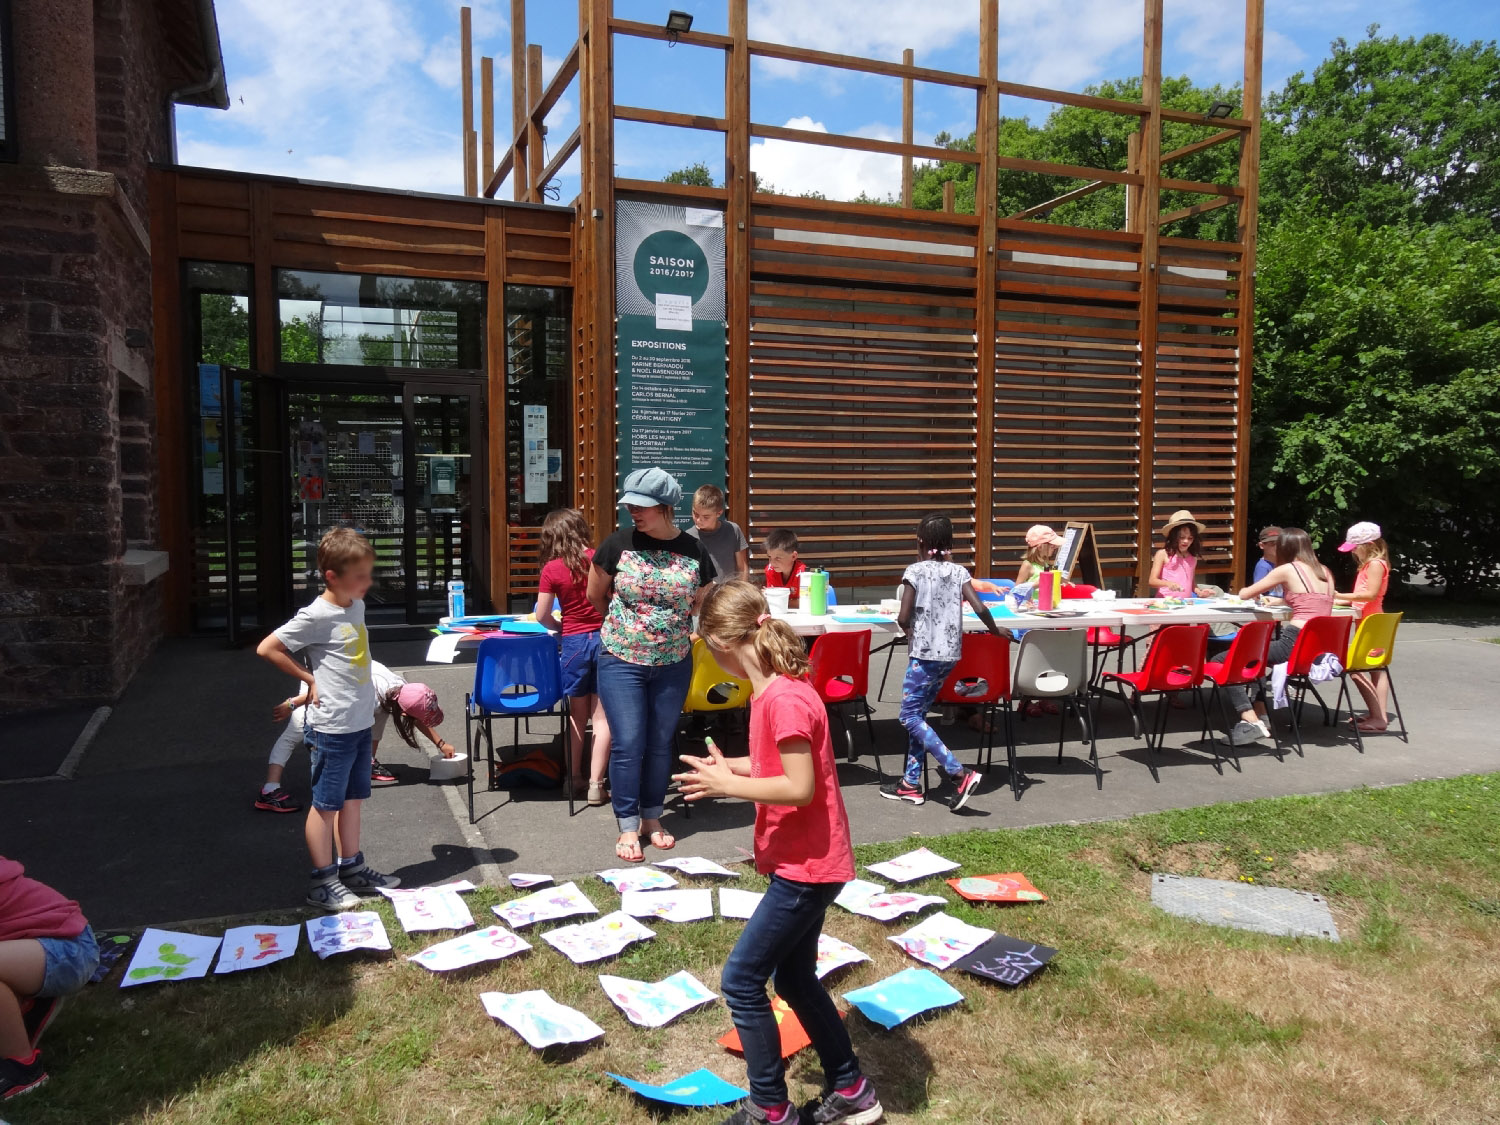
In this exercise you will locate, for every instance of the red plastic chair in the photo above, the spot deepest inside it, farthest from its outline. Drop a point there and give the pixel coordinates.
(1320, 636)
(841, 675)
(1173, 663)
(1243, 664)
(982, 677)
(1102, 639)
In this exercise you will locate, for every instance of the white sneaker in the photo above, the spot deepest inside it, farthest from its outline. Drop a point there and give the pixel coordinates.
(1265, 728)
(1245, 733)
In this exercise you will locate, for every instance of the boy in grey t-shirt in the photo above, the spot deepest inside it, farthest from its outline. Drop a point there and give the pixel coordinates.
(340, 713)
(722, 539)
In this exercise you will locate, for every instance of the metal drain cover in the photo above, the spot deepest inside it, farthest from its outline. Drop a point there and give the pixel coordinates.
(1266, 910)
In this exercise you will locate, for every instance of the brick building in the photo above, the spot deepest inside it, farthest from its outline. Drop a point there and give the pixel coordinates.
(90, 87)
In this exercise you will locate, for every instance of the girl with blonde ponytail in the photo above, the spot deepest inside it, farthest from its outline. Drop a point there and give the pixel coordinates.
(801, 841)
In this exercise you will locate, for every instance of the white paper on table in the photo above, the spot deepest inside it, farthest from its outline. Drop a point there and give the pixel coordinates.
(539, 1019)
(253, 947)
(912, 866)
(835, 954)
(430, 908)
(941, 940)
(545, 906)
(490, 944)
(170, 955)
(696, 865)
(658, 1004)
(443, 648)
(737, 903)
(625, 879)
(346, 933)
(677, 905)
(856, 892)
(528, 879)
(591, 941)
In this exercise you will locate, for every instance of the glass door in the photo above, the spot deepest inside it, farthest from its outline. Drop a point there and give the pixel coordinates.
(248, 462)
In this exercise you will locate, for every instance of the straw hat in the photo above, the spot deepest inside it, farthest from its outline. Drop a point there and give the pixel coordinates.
(1179, 518)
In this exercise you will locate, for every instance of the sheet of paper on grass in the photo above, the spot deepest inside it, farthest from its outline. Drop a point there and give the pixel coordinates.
(431, 908)
(909, 993)
(593, 941)
(522, 879)
(834, 954)
(941, 939)
(347, 933)
(700, 1088)
(545, 906)
(874, 901)
(670, 906)
(251, 947)
(736, 903)
(658, 1004)
(1012, 887)
(625, 879)
(793, 1036)
(908, 868)
(169, 955)
(696, 865)
(539, 1019)
(490, 944)
(1007, 960)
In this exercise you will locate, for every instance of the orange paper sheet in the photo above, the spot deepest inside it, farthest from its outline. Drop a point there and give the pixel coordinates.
(1012, 887)
(793, 1038)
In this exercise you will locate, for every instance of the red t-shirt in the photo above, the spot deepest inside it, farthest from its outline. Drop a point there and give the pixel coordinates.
(774, 581)
(29, 909)
(809, 844)
(578, 613)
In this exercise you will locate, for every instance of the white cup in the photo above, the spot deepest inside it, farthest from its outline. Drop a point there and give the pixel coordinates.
(779, 600)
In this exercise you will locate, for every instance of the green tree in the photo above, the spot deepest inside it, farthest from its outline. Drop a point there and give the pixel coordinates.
(302, 339)
(696, 174)
(224, 330)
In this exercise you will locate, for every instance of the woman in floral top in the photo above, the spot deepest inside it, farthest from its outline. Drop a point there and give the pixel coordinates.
(647, 581)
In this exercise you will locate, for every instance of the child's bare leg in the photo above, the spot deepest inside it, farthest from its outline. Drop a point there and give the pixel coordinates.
(23, 965)
(273, 773)
(578, 717)
(599, 765)
(319, 834)
(1375, 690)
(347, 828)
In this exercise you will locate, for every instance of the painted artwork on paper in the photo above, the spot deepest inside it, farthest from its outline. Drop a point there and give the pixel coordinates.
(545, 906)
(857, 891)
(669, 906)
(1011, 887)
(898, 998)
(347, 933)
(1007, 960)
(625, 879)
(658, 1004)
(793, 1036)
(593, 941)
(737, 903)
(834, 955)
(914, 865)
(700, 1088)
(873, 901)
(539, 1019)
(696, 865)
(169, 955)
(253, 947)
(523, 879)
(430, 908)
(942, 939)
(490, 944)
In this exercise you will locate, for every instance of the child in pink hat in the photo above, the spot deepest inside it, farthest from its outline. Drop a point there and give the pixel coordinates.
(1041, 550)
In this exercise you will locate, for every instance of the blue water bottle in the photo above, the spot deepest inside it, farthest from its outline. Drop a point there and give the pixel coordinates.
(455, 599)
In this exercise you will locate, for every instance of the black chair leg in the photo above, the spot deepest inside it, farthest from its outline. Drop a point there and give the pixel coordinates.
(469, 748)
(1087, 719)
(1294, 706)
(1397, 701)
(1359, 735)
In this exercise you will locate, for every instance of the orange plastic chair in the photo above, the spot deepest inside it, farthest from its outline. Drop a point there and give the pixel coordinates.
(1173, 663)
(1371, 650)
(841, 675)
(1243, 664)
(1319, 637)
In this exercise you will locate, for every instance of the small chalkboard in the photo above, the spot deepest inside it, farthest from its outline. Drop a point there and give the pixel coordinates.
(1079, 547)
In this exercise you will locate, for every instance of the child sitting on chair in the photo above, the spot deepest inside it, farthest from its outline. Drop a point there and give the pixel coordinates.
(782, 564)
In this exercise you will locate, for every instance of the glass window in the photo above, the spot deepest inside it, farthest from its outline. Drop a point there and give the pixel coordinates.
(362, 320)
(538, 404)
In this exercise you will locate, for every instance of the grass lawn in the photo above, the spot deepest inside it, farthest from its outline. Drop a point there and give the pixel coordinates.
(1142, 1017)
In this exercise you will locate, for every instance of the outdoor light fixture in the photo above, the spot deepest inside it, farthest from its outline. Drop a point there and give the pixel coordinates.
(1220, 109)
(677, 23)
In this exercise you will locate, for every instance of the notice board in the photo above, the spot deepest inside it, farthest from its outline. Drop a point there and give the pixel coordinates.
(1079, 548)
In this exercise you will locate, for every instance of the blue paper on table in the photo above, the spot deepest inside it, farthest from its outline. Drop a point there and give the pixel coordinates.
(482, 619)
(909, 993)
(702, 1087)
(861, 618)
(522, 627)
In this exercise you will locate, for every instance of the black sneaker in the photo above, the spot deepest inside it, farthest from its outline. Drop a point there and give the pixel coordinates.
(365, 880)
(37, 1014)
(833, 1108)
(332, 896)
(20, 1076)
(379, 775)
(963, 788)
(277, 800)
(900, 791)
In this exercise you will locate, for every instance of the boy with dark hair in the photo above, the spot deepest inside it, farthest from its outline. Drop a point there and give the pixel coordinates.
(722, 539)
(782, 565)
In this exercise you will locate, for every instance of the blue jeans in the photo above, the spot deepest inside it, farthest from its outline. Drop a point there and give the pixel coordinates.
(781, 941)
(70, 962)
(580, 664)
(340, 767)
(642, 703)
(923, 680)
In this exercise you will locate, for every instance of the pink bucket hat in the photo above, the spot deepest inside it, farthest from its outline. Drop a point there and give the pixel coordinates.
(420, 702)
(1360, 534)
(1039, 534)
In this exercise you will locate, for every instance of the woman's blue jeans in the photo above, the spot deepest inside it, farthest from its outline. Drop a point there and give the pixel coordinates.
(643, 703)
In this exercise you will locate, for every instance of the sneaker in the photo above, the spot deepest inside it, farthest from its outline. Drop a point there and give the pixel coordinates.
(37, 1014)
(1265, 730)
(833, 1108)
(963, 788)
(968, 689)
(363, 879)
(331, 895)
(379, 775)
(748, 1113)
(1245, 733)
(20, 1076)
(900, 791)
(277, 800)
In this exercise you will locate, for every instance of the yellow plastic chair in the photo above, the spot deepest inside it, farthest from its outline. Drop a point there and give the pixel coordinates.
(708, 676)
(1370, 650)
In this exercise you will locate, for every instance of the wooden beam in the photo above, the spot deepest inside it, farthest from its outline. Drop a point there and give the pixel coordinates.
(656, 31)
(668, 117)
(676, 191)
(1063, 97)
(173, 463)
(1201, 188)
(862, 144)
(487, 118)
(1187, 117)
(558, 84)
(737, 224)
(466, 49)
(1133, 193)
(1195, 209)
(1199, 146)
(1065, 197)
(1150, 154)
(948, 187)
(1255, 17)
(598, 191)
(1071, 171)
(908, 91)
(536, 154)
(496, 533)
(517, 93)
(559, 158)
(501, 171)
(986, 210)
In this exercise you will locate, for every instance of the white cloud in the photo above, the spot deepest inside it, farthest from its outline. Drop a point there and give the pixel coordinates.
(792, 168)
(856, 27)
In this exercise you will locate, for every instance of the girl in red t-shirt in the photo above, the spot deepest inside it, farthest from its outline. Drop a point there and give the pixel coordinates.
(564, 581)
(801, 841)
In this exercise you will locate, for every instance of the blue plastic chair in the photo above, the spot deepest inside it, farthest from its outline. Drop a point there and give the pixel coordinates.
(514, 676)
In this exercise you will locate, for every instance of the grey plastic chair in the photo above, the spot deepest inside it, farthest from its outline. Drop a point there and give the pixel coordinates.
(1054, 664)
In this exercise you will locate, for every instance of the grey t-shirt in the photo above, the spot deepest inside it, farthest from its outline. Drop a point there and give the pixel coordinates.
(722, 544)
(338, 649)
(937, 625)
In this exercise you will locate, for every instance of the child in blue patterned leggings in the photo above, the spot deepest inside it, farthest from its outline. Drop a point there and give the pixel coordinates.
(933, 591)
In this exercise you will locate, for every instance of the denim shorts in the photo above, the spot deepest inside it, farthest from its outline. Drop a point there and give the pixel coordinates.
(70, 963)
(340, 767)
(580, 664)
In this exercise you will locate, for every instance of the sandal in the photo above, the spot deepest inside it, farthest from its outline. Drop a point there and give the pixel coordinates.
(629, 850)
(596, 793)
(656, 835)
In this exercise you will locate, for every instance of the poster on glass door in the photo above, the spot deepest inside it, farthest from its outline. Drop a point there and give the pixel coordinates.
(534, 442)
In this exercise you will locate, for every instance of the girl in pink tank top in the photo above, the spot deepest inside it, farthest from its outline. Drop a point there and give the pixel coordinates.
(1367, 544)
(1174, 567)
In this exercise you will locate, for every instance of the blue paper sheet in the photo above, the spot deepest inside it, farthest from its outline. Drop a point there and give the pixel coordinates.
(700, 1088)
(909, 993)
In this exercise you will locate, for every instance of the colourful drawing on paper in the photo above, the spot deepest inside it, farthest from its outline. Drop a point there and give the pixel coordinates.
(834, 954)
(539, 1019)
(1007, 960)
(490, 944)
(941, 940)
(347, 933)
(908, 868)
(670, 906)
(625, 879)
(593, 941)
(695, 865)
(523, 879)
(700, 1088)
(656, 1005)
(251, 947)
(1012, 887)
(874, 901)
(909, 993)
(545, 906)
(430, 908)
(169, 955)
(793, 1036)
(857, 891)
(735, 903)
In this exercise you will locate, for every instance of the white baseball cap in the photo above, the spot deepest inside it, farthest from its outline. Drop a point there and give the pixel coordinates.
(1360, 534)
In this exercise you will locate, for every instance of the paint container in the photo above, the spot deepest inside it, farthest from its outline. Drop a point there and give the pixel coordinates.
(448, 769)
(778, 600)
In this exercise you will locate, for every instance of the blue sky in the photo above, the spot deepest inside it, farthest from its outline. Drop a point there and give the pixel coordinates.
(369, 91)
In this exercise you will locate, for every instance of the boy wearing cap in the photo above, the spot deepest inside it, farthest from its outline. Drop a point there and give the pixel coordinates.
(1267, 561)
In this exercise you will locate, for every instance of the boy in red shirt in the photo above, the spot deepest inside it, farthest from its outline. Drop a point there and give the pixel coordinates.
(802, 842)
(783, 565)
